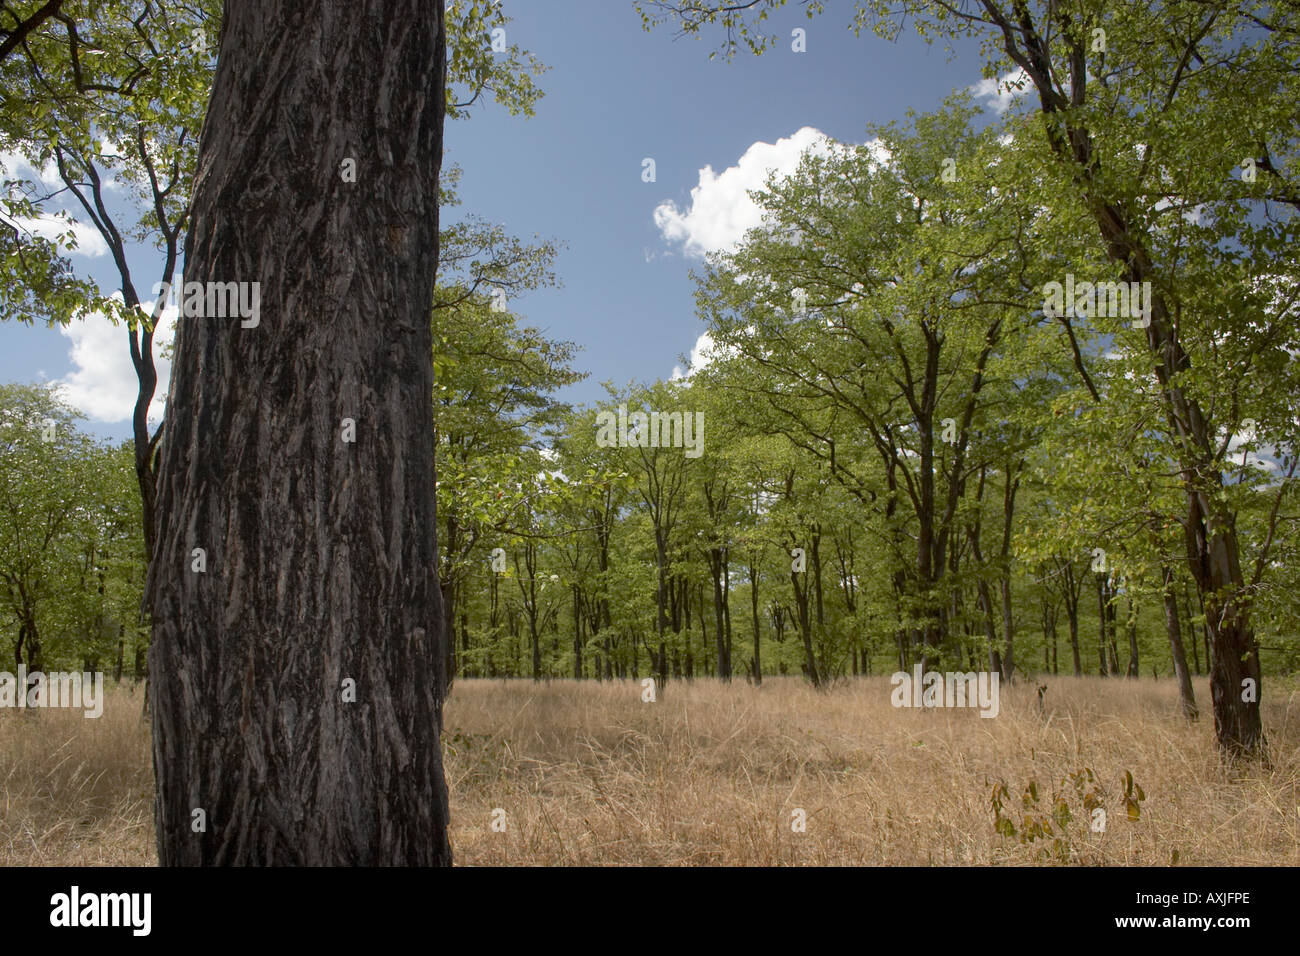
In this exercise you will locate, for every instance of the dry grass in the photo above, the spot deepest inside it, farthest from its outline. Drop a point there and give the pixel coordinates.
(588, 774)
(77, 791)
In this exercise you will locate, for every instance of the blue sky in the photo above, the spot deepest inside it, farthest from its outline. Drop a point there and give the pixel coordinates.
(615, 94)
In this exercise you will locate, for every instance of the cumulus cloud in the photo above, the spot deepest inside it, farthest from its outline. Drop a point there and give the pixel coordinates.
(88, 241)
(702, 355)
(1002, 92)
(1238, 449)
(17, 170)
(720, 210)
(17, 166)
(102, 383)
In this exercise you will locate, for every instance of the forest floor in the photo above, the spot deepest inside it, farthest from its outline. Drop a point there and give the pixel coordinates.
(713, 774)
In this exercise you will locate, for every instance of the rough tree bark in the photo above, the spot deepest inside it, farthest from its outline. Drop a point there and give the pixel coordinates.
(320, 554)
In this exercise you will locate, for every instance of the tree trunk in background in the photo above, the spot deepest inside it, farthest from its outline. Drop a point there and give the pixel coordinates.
(578, 637)
(1185, 693)
(802, 601)
(753, 606)
(1010, 487)
(1191, 632)
(321, 559)
(464, 648)
(447, 591)
(1101, 618)
(1008, 629)
(1131, 630)
(1113, 631)
(726, 608)
(1072, 615)
(1049, 635)
(990, 632)
(659, 663)
(718, 572)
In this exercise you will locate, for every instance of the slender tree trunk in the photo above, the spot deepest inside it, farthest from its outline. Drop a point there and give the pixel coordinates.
(660, 666)
(578, 637)
(990, 631)
(802, 602)
(726, 606)
(1191, 633)
(1072, 614)
(1008, 629)
(449, 592)
(1112, 628)
(321, 556)
(1101, 618)
(718, 571)
(753, 606)
(1010, 487)
(1131, 630)
(1049, 635)
(536, 644)
(1185, 693)
(464, 645)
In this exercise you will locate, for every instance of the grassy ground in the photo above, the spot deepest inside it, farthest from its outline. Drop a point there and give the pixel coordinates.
(710, 774)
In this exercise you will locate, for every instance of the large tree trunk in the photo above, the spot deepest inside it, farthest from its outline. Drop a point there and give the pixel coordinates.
(321, 561)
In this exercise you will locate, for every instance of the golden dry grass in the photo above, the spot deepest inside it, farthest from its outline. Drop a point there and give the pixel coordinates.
(77, 791)
(710, 774)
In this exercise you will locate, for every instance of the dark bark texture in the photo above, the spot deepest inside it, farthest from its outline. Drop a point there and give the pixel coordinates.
(320, 553)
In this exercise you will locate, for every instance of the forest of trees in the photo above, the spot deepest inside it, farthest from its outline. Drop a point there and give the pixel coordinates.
(909, 452)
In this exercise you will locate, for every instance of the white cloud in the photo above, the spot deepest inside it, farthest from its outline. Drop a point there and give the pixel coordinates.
(49, 226)
(702, 355)
(16, 166)
(1002, 92)
(1237, 450)
(102, 383)
(720, 210)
